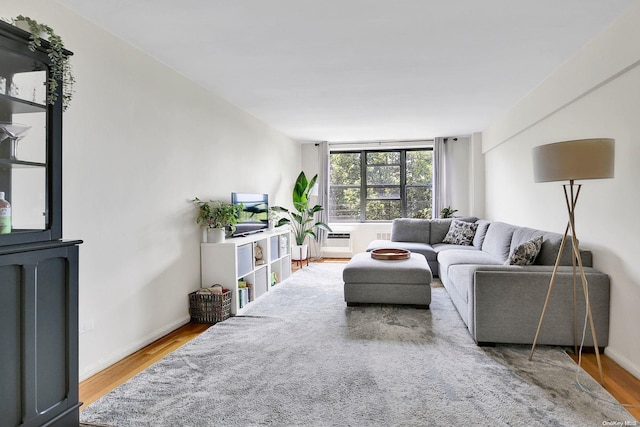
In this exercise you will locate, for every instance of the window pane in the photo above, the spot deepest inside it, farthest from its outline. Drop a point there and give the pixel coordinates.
(383, 193)
(418, 202)
(383, 210)
(383, 158)
(381, 175)
(344, 168)
(419, 167)
(344, 204)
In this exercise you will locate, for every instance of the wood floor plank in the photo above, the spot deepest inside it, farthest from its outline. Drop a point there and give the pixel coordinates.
(617, 381)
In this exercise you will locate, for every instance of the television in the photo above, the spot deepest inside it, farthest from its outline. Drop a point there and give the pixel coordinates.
(254, 216)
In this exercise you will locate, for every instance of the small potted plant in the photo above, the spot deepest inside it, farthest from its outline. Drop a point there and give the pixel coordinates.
(60, 65)
(447, 212)
(302, 220)
(273, 218)
(217, 217)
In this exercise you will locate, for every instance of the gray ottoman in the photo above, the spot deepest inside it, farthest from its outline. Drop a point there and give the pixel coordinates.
(373, 281)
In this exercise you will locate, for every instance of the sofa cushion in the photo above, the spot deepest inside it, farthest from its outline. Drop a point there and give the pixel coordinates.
(481, 231)
(497, 241)
(525, 253)
(460, 256)
(410, 230)
(460, 233)
(439, 247)
(440, 227)
(550, 245)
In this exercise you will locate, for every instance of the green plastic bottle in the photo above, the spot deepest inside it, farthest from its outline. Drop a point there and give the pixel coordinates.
(5, 215)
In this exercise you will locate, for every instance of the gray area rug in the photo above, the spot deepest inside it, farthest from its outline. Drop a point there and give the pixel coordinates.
(300, 357)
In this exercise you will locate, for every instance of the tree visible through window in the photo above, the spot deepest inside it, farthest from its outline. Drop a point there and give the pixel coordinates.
(380, 185)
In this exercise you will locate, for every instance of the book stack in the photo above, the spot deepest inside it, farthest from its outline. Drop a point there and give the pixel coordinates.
(245, 293)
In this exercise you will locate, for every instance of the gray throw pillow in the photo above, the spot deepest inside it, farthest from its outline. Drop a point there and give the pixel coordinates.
(460, 233)
(526, 253)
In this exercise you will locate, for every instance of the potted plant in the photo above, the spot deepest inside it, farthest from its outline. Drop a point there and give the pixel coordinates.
(302, 219)
(217, 217)
(60, 65)
(447, 212)
(273, 218)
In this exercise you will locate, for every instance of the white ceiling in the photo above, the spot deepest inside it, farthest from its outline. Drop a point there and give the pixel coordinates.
(355, 70)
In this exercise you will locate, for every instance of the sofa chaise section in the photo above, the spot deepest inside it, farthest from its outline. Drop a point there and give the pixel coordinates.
(502, 303)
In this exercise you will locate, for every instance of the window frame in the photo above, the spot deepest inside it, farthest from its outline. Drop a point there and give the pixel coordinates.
(363, 181)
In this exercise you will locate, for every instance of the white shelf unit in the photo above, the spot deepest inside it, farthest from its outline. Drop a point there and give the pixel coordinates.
(234, 260)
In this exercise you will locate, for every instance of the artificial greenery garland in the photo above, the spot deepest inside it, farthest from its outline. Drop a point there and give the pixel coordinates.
(60, 64)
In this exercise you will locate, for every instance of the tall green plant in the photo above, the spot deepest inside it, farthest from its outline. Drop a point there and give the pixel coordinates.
(302, 220)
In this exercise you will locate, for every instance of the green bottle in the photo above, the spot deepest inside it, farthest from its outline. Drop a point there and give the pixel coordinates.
(5, 215)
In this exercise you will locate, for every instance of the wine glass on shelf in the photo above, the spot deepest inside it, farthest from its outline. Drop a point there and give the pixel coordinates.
(13, 132)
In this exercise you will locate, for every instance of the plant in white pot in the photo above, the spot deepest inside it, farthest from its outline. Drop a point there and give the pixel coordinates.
(217, 217)
(302, 219)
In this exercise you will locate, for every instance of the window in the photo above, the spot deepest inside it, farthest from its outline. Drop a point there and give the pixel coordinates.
(380, 185)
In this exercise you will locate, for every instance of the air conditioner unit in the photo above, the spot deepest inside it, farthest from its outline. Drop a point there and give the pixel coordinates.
(338, 240)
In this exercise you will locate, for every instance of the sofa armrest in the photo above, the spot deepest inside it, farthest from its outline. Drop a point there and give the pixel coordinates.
(508, 301)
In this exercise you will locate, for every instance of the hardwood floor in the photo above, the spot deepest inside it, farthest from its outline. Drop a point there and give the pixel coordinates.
(103, 382)
(621, 384)
(617, 381)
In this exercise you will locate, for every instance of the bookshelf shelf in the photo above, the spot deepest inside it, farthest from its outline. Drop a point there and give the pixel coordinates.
(234, 261)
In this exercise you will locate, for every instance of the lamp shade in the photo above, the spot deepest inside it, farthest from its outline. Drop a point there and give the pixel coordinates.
(574, 160)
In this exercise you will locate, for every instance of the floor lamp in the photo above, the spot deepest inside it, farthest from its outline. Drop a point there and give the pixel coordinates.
(570, 161)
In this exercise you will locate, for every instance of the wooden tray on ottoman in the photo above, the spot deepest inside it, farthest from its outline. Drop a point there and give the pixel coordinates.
(390, 254)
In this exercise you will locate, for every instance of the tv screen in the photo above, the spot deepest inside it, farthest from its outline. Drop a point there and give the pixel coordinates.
(254, 216)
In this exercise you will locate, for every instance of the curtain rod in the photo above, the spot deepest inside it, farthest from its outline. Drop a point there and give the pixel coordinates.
(378, 143)
(390, 141)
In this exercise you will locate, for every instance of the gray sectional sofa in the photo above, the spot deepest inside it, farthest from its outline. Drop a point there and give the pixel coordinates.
(500, 302)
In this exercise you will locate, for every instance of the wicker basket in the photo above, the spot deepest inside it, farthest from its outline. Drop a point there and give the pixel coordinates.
(209, 308)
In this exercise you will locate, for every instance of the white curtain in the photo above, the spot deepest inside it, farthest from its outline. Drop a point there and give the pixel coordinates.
(440, 199)
(323, 188)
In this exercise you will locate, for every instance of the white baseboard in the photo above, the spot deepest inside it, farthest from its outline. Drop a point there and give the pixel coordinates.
(118, 356)
(329, 252)
(623, 361)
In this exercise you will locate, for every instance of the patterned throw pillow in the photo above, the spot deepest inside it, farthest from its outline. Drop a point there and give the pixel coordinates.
(460, 233)
(526, 253)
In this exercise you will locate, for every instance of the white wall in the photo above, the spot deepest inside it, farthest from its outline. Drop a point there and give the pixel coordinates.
(595, 94)
(476, 176)
(310, 160)
(140, 141)
(458, 152)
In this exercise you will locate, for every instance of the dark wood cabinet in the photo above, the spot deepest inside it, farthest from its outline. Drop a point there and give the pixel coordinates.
(39, 334)
(38, 270)
(31, 165)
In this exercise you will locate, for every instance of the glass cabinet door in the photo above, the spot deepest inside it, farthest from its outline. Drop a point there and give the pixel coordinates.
(25, 141)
